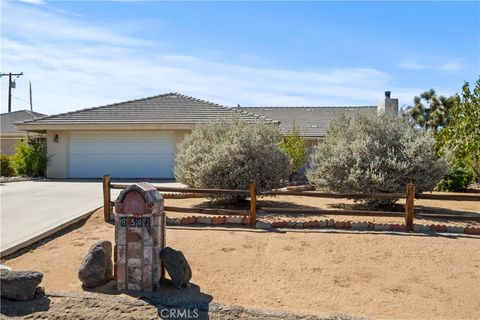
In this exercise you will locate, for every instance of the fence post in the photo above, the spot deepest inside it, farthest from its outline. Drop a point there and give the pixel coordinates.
(409, 206)
(106, 198)
(253, 204)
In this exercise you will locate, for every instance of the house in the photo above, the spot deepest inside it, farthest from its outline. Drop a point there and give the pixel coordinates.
(132, 139)
(138, 138)
(10, 135)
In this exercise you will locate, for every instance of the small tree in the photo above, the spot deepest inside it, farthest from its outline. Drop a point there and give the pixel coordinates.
(430, 111)
(372, 153)
(296, 149)
(31, 157)
(461, 137)
(228, 154)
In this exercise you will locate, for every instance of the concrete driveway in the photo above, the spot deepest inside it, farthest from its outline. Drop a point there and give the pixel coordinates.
(31, 210)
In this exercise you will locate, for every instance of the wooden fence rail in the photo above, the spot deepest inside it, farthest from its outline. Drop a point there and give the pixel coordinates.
(189, 190)
(447, 216)
(409, 197)
(226, 212)
(335, 195)
(334, 212)
(451, 197)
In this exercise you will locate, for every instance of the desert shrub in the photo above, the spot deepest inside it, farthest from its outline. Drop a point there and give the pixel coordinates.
(371, 153)
(6, 166)
(458, 178)
(296, 149)
(30, 157)
(228, 154)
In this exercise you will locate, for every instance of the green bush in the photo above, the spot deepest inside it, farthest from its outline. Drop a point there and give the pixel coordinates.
(228, 154)
(296, 149)
(458, 178)
(371, 153)
(6, 166)
(460, 138)
(31, 157)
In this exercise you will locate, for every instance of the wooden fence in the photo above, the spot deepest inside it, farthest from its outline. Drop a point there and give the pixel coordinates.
(408, 214)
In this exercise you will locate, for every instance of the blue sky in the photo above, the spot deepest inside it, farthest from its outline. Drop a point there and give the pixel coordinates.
(84, 54)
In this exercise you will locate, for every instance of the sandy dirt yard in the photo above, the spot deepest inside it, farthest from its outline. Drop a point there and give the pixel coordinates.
(321, 272)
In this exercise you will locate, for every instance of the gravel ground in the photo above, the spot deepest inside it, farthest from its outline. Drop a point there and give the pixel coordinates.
(73, 305)
(17, 179)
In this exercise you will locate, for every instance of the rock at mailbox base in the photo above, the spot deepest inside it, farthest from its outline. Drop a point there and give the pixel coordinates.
(19, 285)
(177, 266)
(96, 268)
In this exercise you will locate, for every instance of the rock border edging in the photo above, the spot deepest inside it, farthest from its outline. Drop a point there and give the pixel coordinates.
(318, 224)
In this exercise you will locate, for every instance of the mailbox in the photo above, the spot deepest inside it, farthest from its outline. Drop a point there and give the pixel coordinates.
(139, 238)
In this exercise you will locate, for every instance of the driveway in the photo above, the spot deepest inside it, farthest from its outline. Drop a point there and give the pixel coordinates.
(31, 210)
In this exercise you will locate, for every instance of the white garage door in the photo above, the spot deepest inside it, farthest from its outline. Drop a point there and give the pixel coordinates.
(121, 154)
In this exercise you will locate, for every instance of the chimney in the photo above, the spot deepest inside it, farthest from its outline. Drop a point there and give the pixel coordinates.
(388, 105)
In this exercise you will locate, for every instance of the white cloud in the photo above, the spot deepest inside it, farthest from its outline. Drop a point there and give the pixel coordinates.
(453, 65)
(73, 64)
(37, 25)
(33, 1)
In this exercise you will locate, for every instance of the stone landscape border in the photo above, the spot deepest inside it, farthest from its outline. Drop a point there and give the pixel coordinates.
(316, 224)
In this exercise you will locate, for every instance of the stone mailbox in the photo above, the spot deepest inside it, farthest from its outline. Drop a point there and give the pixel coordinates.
(139, 238)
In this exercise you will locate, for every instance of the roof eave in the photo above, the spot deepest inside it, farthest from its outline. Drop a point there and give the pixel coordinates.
(32, 126)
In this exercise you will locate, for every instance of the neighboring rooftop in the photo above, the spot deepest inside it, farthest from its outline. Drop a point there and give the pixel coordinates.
(313, 122)
(8, 119)
(170, 108)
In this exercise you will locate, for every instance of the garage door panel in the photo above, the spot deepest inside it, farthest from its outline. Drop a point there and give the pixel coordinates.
(123, 155)
(120, 150)
(142, 146)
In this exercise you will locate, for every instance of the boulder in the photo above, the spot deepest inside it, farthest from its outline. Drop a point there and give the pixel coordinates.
(177, 266)
(97, 266)
(19, 285)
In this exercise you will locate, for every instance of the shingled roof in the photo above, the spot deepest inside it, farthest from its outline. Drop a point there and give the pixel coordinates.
(8, 119)
(170, 108)
(312, 122)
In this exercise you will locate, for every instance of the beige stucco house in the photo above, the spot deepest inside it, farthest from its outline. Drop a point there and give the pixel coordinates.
(132, 139)
(10, 135)
(138, 138)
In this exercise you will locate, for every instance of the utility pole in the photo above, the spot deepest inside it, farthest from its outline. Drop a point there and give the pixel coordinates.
(10, 85)
(31, 103)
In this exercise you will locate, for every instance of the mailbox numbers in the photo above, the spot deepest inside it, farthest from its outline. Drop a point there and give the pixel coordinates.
(135, 222)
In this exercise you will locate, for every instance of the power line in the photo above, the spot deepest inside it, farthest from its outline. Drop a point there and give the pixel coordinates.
(36, 105)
